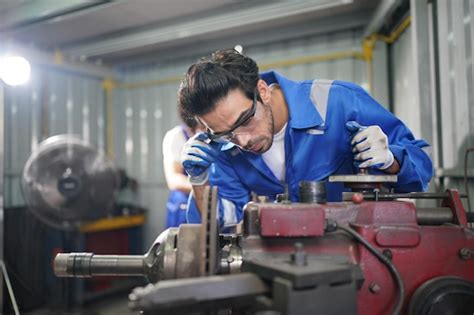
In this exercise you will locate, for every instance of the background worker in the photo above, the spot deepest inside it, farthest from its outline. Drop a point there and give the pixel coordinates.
(176, 178)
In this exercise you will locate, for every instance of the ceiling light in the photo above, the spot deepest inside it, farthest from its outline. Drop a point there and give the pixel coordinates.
(14, 70)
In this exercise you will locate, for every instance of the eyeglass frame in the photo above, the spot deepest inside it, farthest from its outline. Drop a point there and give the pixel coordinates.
(218, 137)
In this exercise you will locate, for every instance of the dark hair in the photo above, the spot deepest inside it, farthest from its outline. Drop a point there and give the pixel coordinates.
(211, 78)
(186, 118)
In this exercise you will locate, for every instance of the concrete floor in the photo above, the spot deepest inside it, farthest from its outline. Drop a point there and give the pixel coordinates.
(110, 306)
(116, 305)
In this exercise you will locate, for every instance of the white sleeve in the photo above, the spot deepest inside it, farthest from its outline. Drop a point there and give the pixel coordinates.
(173, 143)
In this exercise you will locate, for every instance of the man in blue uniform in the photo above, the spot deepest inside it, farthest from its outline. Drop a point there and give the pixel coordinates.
(265, 132)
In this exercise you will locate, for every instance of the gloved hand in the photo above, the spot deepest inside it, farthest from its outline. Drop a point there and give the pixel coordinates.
(370, 144)
(197, 156)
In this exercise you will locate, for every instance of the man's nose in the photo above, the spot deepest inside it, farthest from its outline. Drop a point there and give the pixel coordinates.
(242, 139)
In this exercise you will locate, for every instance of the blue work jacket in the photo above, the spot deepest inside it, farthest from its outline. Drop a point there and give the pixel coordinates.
(317, 145)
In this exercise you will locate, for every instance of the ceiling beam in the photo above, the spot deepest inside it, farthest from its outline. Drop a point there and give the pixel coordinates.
(200, 48)
(383, 11)
(40, 11)
(211, 26)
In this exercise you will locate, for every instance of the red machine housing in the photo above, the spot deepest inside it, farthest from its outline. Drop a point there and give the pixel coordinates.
(419, 252)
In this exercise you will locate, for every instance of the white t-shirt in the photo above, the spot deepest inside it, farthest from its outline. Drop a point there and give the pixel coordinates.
(275, 156)
(173, 143)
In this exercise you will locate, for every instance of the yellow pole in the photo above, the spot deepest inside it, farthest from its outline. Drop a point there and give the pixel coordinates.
(109, 85)
(58, 57)
(368, 45)
(397, 32)
(310, 59)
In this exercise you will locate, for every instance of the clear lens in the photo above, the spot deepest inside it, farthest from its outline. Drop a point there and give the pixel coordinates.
(224, 139)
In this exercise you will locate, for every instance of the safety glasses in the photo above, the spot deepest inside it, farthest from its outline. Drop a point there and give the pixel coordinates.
(228, 136)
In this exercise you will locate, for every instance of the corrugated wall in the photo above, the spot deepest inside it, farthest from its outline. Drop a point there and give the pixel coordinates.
(405, 105)
(144, 112)
(456, 94)
(141, 117)
(52, 103)
(453, 111)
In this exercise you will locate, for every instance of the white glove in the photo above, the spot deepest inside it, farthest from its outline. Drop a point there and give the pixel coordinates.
(371, 146)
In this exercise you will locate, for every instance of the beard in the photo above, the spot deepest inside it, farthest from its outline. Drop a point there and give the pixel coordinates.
(267, 137)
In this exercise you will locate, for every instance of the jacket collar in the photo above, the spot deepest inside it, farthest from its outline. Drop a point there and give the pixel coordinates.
(302, 112)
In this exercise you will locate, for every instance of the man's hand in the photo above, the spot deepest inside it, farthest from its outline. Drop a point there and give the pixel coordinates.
(370, 145)
(196, 157)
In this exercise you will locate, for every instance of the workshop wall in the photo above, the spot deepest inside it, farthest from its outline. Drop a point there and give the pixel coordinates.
(453, 95)
(145, 106)
(405, 105)
(456, 93)
(141, 117)
(54, 102)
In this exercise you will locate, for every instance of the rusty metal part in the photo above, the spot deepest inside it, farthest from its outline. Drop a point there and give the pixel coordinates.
(179, 252)
(398, 236)
(168, 269)
(303, 220)
(174, 254)
(188, 251)
(209, 233)
(425, 216)
(454, 202)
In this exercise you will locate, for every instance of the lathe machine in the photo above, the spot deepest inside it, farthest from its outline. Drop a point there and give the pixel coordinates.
(370, 254)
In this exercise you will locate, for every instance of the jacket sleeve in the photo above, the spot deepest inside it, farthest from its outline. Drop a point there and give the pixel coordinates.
(416, 168)
(232, 195)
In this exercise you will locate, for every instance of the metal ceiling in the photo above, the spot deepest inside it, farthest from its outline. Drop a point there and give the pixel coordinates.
(121, 31)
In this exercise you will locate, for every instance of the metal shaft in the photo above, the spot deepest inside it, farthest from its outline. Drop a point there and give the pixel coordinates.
(88, 265)
(434, 216)
(413, 195)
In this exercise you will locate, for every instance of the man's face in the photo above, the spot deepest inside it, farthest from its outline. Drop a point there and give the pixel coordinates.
(254, 132)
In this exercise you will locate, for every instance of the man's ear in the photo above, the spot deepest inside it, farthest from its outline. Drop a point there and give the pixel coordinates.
(263, 90)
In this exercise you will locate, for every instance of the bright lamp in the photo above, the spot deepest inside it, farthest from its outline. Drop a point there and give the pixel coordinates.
(14, 70)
